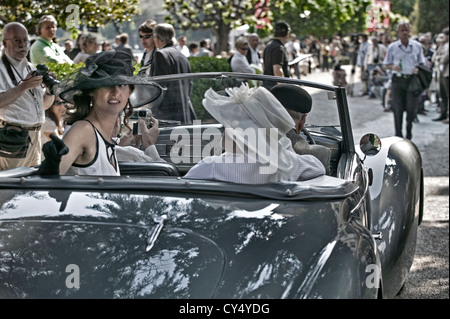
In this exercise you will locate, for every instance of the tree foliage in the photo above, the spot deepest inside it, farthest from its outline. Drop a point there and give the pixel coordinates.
(69, 14)
(431, 16)
(323, 18)
(219, 16)
(403, 7)
(318, 17)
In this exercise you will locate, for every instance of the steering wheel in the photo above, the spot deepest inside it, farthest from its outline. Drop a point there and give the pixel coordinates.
(308, 136)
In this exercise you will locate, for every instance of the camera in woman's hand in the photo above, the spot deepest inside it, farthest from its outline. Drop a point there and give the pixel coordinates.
(146, 115)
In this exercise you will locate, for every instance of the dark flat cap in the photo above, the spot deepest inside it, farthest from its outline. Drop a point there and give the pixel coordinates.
(282, 26)
(293, 97)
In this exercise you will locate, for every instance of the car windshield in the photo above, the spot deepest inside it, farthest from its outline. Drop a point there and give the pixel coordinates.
(323, 113)
(187, 92)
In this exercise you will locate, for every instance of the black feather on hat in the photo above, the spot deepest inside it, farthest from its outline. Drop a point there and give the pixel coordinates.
(110, 68)
(293, 97)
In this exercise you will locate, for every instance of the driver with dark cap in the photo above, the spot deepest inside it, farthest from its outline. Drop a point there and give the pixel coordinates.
(298, 103)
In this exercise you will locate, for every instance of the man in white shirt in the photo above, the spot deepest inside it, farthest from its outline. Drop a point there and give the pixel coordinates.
(403, 58)
(253, 55)
(363, 47)
(293, 49)
(182, 40)
(23, 99)
(374, 57)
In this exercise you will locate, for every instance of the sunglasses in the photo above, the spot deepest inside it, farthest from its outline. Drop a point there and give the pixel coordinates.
(147, 36)
(59, 102)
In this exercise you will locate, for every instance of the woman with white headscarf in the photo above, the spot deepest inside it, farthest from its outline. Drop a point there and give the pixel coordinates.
(257, 150)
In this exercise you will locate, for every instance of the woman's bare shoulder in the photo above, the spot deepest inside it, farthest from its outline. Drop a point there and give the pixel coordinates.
(80, 129)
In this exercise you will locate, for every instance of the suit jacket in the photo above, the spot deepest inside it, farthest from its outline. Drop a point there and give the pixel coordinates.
(301, 147)
(125, 48)
(444, 61)
(425, 75)
(176, 104)
(249, 56)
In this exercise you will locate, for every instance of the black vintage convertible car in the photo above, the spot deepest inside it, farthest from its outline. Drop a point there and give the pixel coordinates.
(151, 233)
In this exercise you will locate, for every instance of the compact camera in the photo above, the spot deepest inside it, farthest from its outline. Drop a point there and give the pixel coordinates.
(48, 80)
(146, 115)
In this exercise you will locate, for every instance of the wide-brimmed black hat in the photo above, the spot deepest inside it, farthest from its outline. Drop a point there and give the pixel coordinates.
(293, 97)
(110, 68)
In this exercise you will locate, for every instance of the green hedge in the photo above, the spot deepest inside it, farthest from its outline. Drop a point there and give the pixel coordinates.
(61, 70)
(209, 64)
(205, 64)
(198, 64)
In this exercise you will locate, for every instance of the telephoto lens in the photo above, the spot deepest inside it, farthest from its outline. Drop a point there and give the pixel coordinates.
(47, 79)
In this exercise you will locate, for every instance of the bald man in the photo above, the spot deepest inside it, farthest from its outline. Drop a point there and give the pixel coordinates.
(23, 101)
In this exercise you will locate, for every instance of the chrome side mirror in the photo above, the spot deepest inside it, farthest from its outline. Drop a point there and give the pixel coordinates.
(370, 144)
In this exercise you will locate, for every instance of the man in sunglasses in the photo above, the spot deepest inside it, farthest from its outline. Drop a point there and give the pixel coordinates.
(146, 36)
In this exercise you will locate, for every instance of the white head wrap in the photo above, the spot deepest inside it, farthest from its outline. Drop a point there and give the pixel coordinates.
(257, 113)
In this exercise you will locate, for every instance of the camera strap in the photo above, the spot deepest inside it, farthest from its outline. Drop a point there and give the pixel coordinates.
(9, 70)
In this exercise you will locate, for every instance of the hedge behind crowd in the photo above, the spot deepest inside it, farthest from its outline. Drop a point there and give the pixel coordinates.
(198, 64)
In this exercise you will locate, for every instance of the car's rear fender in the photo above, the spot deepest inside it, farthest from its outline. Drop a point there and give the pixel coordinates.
(396, 191)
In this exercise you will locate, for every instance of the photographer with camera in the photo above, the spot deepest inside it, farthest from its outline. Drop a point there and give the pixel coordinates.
(373, 61)
(23, 101)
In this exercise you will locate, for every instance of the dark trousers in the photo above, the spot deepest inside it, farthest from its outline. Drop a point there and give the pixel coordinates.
(325, 65)
(403, 100)
(443, 92)
(365, 80)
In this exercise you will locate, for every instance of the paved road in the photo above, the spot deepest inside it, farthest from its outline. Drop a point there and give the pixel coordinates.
(429, 276)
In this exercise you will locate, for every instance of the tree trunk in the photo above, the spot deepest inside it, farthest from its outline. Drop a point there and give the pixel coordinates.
(221, 33)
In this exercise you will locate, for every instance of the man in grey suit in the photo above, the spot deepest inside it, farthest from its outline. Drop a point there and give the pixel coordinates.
(298, 103)
(124, 46)
(176, 104)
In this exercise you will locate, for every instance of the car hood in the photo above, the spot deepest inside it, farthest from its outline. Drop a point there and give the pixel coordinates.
(62, 244)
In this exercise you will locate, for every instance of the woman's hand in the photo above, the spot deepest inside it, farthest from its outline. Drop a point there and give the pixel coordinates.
(126, 140)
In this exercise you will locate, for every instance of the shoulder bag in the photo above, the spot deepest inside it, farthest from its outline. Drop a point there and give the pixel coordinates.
(14, 141)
